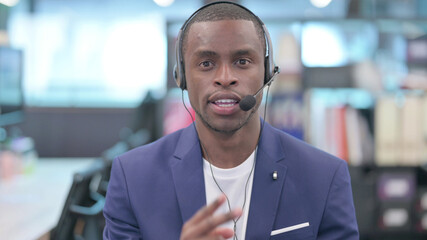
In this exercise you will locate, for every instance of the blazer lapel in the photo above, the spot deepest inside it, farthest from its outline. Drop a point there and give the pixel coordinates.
(266, 191)
(187, 173)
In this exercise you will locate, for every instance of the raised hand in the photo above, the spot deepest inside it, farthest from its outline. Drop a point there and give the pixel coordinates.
(204, 225)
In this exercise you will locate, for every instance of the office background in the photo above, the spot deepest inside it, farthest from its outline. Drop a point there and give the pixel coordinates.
(91, 74)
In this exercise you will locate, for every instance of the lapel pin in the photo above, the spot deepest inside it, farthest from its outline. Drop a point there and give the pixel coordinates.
(275, 175)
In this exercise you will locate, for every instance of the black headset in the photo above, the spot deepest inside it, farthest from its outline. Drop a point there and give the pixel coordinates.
(179, 74)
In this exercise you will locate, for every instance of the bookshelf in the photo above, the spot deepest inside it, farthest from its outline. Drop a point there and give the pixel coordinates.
(372, 113)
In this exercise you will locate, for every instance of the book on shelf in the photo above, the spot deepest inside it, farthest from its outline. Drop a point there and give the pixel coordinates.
(286, 112)
(412, 136)
(337, 127)
(400, 130)
(386, 132)
(354, 136)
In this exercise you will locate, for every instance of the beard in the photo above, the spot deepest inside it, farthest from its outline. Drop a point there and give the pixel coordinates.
(208, 122)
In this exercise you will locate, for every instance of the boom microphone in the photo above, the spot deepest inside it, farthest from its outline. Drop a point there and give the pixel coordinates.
(249, 101)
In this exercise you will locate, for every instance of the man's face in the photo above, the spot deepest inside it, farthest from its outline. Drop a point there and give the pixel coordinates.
(224, 61)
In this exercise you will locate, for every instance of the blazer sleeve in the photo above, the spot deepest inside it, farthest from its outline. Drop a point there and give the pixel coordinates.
(339, 219)
(120, 221)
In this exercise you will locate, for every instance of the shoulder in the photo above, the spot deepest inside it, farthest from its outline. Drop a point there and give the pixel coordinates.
(303, 157)
(155, 153)
(297, 148)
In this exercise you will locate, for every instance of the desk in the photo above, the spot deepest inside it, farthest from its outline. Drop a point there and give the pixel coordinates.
(30, 205)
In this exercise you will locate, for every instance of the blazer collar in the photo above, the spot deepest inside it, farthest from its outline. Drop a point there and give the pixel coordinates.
(187, 172)
(266, 191)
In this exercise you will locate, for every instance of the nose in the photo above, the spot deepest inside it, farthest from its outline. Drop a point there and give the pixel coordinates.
(225, 76)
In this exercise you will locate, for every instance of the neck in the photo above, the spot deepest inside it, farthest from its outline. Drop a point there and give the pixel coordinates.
(228, 150)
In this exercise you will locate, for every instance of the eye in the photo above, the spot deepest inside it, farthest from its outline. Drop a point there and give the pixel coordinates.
(206, 64)
(243, 61)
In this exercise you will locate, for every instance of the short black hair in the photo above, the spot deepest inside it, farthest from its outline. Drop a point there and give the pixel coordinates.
(224, 11)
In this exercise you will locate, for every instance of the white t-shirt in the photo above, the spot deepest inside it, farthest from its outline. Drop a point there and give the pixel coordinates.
(232, 181)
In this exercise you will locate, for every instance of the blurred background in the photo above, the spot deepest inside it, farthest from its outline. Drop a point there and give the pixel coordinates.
(83, 81)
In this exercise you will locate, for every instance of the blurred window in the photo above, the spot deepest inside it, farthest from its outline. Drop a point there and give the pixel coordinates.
(335, 44)
(90, 58)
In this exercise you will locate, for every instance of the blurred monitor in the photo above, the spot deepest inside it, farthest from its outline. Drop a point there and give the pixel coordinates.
(328, 77)
(417, 50)
(175, 115)
(11, 92)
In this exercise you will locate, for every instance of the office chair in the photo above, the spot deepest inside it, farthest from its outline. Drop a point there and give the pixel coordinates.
(81, 217)
(131, 141)
(107, 157)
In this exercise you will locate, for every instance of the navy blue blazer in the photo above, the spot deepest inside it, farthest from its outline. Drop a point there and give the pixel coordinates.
(155, 188)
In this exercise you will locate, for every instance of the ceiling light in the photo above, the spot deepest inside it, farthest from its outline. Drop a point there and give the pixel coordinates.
(164, 3)
(9, 3)
(320, 3)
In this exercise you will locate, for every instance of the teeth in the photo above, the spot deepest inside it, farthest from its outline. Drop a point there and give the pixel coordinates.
(221, 101)
(225, 105)
(225, 102)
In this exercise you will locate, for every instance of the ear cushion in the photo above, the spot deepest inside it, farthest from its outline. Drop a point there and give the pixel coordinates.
(177, 77)
(269, 60)
(178, 72)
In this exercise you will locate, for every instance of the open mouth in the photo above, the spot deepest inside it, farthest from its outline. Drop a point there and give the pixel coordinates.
(225, 103)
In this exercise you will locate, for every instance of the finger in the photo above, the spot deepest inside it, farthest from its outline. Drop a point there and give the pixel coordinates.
(213, 238)
(224, 233)
(191, 226)
(209, 224)
(207, 211)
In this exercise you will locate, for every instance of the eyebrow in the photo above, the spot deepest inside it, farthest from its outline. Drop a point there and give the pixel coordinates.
(212, 54)
(242, 52)
(202, 54)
